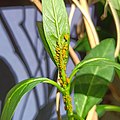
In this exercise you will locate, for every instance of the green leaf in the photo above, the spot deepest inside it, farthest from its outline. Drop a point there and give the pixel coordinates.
(82, 44)
(115, 4)
(119, 58)
(118, 12)
(94, 62)
(17, 92)
(82, 100)
(56, 28)
(101, 109)
(100, 85)
(91, 62)
(42, 35)
(106, 49)
(92, 81)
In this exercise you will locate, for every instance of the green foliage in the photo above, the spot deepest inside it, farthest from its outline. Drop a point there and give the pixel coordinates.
(118, 12)
(42, 35)
(115, 4)
(101, 109)
(56, 27)
(91, 82)
(81, 99)
(17, 92)
(96, 88)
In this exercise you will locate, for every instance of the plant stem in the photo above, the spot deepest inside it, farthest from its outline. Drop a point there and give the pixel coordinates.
(74, 56)
(65, 84)
(58, 105)
(117, 23)
(38, 4)
(66, 93)
(95, 41)
(68, 104)
(58, 101)
(104, 15)
(88, 29)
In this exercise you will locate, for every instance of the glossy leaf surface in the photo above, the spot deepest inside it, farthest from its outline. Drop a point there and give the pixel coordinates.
(42, 35)
(91, 81)
(56, 26)
(17, 92)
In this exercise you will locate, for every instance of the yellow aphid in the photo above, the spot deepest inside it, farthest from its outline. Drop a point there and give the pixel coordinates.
(60, 81)
(66, 37)
(67, 80)
(65, 47)
(65, 67)
(57, 49)
(63, 53)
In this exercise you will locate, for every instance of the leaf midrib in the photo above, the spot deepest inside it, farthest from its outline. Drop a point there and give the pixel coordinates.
(86, 97)
(55, 18)
(96, 70)
(82, 109)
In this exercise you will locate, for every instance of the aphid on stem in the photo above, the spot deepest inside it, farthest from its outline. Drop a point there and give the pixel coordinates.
(67, 80)
(66, 37)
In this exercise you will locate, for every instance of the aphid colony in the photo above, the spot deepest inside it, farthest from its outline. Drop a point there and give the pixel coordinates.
(61, 59)
(67, 99)
(61, 53)
(61, 56)
(66, 37)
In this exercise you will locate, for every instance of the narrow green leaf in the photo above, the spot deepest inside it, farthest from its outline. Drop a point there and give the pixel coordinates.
(17, 92)
(101, 109)
(91, 82)
(56, 28)
(42, 35)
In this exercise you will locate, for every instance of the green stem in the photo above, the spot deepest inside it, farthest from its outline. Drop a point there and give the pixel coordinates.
(66, 95)
(85, 62)
(68, 104)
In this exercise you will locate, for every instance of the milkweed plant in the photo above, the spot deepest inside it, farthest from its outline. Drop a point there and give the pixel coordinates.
(91, 76)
